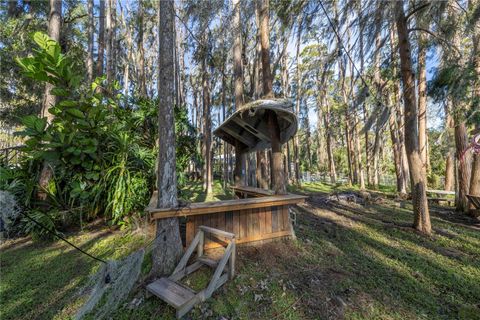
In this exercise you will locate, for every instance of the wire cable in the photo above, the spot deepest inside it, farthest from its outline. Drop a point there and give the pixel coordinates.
(62, 238)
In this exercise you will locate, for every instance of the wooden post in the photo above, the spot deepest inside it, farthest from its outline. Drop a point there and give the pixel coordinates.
(278, 178)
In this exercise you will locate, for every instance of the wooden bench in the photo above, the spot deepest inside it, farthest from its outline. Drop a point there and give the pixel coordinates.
(251, 219)
(438, 196)
(181, 297)
(251, 192)
(474, 200)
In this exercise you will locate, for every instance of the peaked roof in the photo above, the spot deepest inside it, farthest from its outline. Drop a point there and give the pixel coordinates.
(248, 125)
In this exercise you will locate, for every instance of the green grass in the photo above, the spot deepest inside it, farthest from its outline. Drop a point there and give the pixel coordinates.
(342, 265)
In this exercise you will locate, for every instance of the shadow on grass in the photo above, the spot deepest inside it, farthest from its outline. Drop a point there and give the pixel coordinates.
(395, 278)
(42, 280)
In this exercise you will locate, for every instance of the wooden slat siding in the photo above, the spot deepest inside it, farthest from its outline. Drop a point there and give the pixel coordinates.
(268, 220)
(256, 221)
(221, 221)
(236, 223)
(284, 214)
(261, 217)
(243, 223)
(250, 221)
(279, 234)
(229, 222)
(275, 219)
(190, 229)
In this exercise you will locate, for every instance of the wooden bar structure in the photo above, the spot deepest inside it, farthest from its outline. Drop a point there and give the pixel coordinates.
(260, 217)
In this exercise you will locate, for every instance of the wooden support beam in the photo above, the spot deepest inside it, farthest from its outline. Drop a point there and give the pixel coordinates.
(253, 130)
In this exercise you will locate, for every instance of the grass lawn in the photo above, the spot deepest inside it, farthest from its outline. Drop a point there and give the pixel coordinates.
(343, 265)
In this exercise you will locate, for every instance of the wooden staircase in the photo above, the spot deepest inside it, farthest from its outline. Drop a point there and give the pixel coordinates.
(182, 298)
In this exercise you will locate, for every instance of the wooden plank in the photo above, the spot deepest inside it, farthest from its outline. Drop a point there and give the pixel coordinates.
(236, 223)
(285, 218)
(229, 222)
(268, 220)
(171, 292)
(250, 221)
(219, 270)
(243, 223)
(190, 229)
(189, 269)
(256, 132)
(256, 221)
(252, 191)
(279, 234)
(192, 246)
(275, 219)
(261, 217)
(221, 221)
(227, 205)
(217, 232)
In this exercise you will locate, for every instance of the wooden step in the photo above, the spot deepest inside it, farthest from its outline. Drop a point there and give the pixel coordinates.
(171, 292)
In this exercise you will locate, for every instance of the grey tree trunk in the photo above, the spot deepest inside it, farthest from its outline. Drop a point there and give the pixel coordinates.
(168, 245)
(278, 178)
(238, 87)
(101, 39)
(464, 161)
(49, 100)
(108, 40)
(90, 34)
(417, 170)
(142, 85)
(54, 26)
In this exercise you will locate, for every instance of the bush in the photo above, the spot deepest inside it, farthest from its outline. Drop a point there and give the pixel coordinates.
(100, 150)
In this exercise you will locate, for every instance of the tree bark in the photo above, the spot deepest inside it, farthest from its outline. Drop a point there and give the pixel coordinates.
(90, 34)
(54, 27)
(108, 40)
(142, 85)
(207, 132)
(328, 131)
(49, 100)
(278, 179)
(463, 160)
(265, 45)
(238, 81)
(168, 244)
(101, 39)
(417, 171)
(422, 99)
(296, 142)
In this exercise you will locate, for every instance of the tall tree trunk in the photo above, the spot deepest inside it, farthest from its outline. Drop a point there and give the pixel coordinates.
(90, 33)
(364, 105)
(54, 27)
(142, 85)
(422, 99)
(263, 35)
(475, 178)
(265, 45)
(296, 142)
(168, 244)
(328, 131)
(238, 81)
(396, 132)
(463, 162)
(108, 40)
(278, 179)
(101, 39)
(49, 100)
(207, 131)
(417, 171)
(450, 157)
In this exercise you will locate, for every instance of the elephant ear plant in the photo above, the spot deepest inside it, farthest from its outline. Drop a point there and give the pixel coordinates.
(99, 164)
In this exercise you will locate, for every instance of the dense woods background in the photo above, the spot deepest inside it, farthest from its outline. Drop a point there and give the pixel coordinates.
(386, 93)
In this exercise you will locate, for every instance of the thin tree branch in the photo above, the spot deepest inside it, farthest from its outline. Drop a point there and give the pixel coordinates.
(415, 10)
(435, 36)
